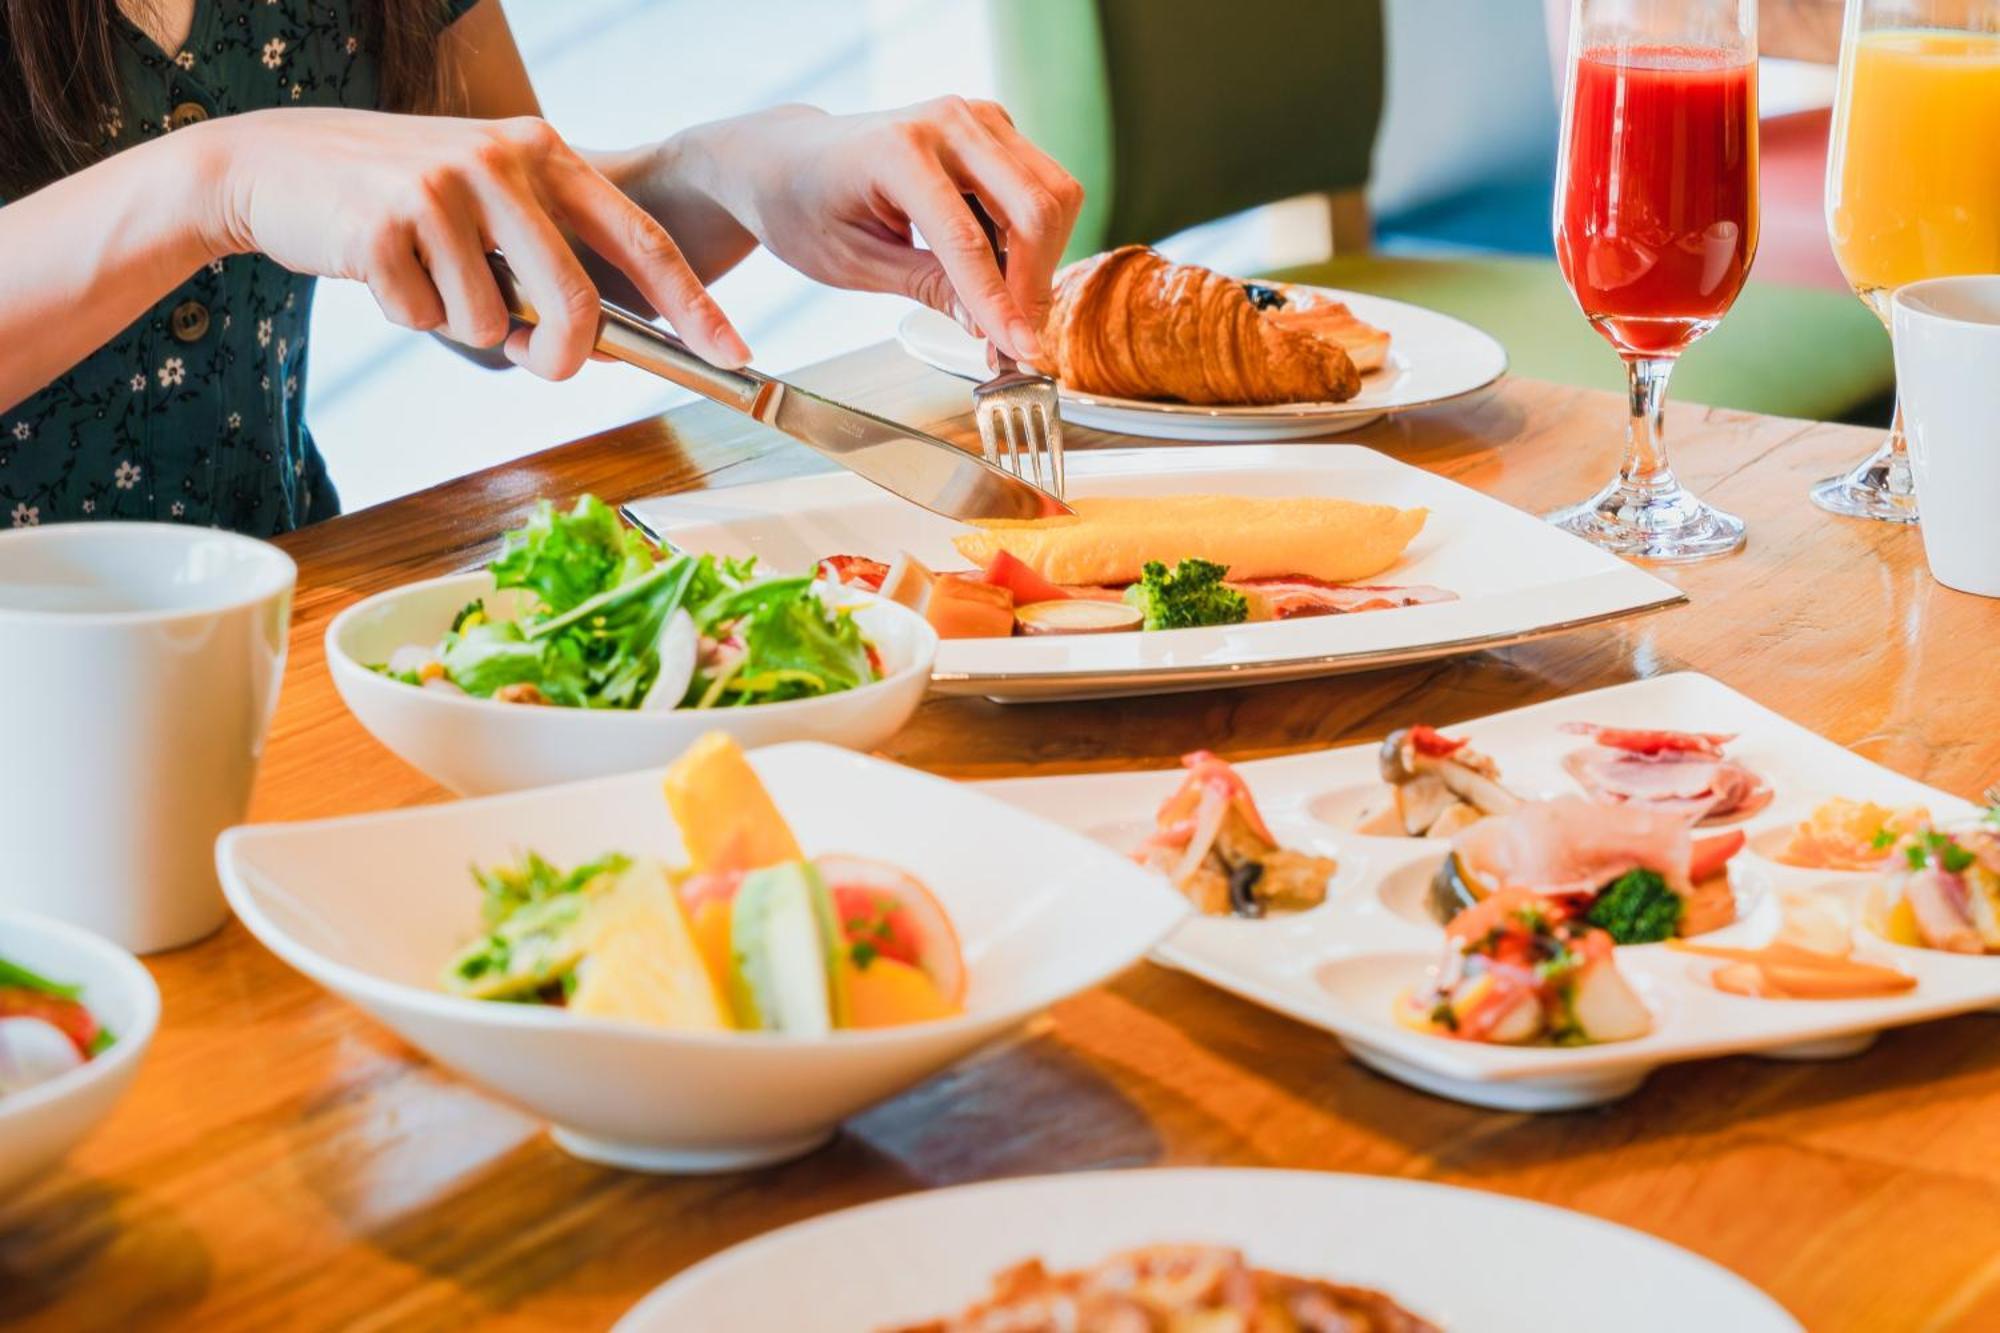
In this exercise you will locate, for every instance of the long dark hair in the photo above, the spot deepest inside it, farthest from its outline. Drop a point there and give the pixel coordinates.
(59, 77)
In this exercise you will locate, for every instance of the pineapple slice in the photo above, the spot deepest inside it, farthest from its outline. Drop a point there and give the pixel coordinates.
(642, 963)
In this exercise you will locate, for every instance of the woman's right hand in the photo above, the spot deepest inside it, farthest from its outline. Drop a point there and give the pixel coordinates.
(411, 205)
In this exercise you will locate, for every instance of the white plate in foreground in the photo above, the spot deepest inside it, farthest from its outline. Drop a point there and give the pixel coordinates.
(1516, 577)
(1432, 358)
(927, 1256)
(1340, 966)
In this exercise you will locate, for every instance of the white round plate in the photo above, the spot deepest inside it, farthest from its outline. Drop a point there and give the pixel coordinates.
(1456, 1257)
(1432, 358)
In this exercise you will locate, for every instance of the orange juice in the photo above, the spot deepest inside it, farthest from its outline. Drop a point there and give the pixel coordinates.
(1913, 175)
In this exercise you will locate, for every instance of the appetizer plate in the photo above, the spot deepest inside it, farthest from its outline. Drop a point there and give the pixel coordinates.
(927, 1256)
(1432, 358)
(477, 746)
(373, 906)
(1341, 966)
(1516, 577)
(39, 1127)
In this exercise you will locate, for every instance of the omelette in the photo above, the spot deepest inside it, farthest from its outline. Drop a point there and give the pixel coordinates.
(1110, 538)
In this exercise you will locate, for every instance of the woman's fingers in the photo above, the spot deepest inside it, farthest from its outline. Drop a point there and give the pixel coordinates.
(454, 251)
(401, 285)
(551, 278)
(918, 185)
(605, 219)
(1035, 209)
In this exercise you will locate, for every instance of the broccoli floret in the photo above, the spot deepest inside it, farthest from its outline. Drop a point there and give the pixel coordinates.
(1193, 594)
(1637, 908)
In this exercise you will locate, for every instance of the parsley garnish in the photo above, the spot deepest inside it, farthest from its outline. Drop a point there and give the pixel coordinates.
(1939, 849)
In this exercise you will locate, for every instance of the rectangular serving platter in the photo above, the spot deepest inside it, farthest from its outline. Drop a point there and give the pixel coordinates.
(1516, 577)
(1340, 966)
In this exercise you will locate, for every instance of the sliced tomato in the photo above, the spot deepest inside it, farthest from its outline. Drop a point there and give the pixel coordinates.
(68, 1017)
(1431, 741)
(1019, 577)
(1711, 855)
(889, 911)
(854, 571)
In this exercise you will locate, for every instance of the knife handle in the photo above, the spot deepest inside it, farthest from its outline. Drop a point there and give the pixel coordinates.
(623, 336)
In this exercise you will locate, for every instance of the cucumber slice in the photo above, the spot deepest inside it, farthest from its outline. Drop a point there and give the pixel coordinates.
(785, 944)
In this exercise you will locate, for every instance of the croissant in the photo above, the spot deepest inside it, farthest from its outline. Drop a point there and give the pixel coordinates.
(1129, 324)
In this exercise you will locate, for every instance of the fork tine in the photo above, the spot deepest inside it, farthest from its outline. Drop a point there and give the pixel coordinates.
(1013, 461)
(1038, 450)
(1055, 451)
(989, 432)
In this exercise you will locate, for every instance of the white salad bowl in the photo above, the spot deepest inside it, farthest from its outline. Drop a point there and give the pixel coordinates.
(38, 1127)
(373, 906)
(477, 747)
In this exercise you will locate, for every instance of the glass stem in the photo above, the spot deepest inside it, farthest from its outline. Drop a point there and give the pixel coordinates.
(1645, 466)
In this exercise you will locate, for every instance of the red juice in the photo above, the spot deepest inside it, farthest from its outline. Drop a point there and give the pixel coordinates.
(1658, 218)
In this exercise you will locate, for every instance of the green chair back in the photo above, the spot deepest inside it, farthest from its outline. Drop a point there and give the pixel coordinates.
(1176, 112)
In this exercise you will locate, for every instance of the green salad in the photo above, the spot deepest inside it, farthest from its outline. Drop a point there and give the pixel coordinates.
(610, 625)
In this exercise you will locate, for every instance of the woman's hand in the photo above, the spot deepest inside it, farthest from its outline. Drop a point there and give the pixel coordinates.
(411, 206)
(842, 198)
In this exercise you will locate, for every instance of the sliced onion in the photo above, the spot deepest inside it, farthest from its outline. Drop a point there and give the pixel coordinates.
(679, 645)
(1208, 819)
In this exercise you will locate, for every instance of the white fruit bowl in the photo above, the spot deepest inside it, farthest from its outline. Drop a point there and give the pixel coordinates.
(38, 1127)
(477, 747)
(372, 906)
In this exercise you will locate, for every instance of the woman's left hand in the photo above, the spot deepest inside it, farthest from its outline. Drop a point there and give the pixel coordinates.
(843, 199)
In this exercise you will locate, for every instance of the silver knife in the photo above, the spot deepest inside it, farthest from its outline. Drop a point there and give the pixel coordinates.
(907, 463)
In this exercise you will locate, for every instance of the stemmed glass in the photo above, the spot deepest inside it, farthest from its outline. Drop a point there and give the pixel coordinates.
(1656, 224)
(1912, 182)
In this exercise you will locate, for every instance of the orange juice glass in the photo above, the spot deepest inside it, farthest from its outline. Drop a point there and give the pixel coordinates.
(1912, 181)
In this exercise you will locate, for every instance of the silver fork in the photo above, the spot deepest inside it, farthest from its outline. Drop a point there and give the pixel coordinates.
(1020, 421)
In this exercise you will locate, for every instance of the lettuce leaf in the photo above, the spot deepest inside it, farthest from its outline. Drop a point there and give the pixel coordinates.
(566, 559)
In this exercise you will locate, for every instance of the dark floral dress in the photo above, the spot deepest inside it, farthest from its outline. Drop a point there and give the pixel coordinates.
(196, 412)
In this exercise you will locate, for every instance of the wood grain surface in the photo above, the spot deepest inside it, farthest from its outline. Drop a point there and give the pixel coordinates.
(284, 1162)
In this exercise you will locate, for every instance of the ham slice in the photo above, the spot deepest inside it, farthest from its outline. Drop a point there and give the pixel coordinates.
(1289, 598)
(1683, 773)
(1574, 846)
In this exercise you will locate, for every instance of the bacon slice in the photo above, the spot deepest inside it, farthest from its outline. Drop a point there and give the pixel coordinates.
(1289, 598)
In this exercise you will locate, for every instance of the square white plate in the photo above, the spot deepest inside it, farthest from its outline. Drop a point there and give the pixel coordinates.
(1339, 966)
(1516, 577)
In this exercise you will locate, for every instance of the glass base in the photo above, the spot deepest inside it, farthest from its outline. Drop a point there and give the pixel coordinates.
(1881, 489)
(1662, 524)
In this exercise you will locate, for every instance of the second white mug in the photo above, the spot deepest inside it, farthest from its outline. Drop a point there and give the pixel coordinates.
(1948, 371)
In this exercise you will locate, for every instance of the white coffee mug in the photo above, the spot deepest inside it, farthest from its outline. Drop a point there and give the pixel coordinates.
(1948, 376)
(139, 666)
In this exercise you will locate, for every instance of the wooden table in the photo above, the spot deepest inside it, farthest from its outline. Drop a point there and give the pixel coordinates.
(283, 1160)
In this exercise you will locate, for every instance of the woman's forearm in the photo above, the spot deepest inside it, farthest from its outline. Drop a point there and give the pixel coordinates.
(82, 258)
(661, 178)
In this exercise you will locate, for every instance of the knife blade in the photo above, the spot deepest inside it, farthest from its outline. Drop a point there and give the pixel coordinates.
(907, 463)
